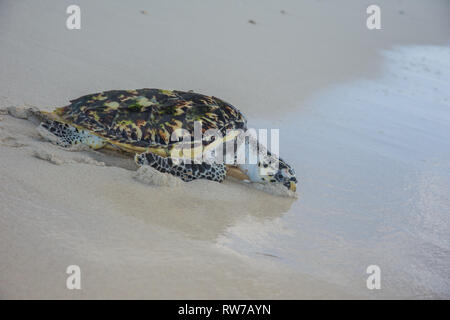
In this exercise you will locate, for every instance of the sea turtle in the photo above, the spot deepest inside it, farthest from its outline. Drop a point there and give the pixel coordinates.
(144, 121)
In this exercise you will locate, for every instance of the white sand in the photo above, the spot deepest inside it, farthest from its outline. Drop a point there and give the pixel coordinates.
(366, 197)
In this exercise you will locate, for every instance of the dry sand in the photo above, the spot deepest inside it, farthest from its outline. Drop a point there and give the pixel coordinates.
(352, 106)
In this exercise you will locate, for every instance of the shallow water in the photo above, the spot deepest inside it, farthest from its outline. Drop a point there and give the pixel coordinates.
(374, 182)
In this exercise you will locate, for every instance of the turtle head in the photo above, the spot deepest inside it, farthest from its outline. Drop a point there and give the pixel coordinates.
(271, 169)
(284, 174)
(268, 169)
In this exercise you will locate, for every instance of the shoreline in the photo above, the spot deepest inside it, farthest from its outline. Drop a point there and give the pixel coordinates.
(362, 117)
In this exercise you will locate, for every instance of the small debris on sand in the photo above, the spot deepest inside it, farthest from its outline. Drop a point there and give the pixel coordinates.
(252, 21)
(151, 176)
(58, 160)
(11, 142)
(47, 156)
(88, 160)
(18, 112)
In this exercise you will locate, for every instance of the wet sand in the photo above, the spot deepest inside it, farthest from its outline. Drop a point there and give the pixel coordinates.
(363, 117)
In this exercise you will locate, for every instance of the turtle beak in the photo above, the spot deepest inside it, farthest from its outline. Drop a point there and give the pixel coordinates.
(292, 186)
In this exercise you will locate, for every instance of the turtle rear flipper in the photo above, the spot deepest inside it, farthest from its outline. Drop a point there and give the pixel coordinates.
(69, 137)
(186, 171)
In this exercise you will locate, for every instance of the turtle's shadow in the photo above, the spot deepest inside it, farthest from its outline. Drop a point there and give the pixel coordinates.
(200, 209)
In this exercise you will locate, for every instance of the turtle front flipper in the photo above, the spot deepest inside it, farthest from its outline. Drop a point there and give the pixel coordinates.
(186, 171)
(69, 137)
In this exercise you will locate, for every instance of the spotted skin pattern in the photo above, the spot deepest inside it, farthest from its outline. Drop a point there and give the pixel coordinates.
(186, 171)
(69, 137)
